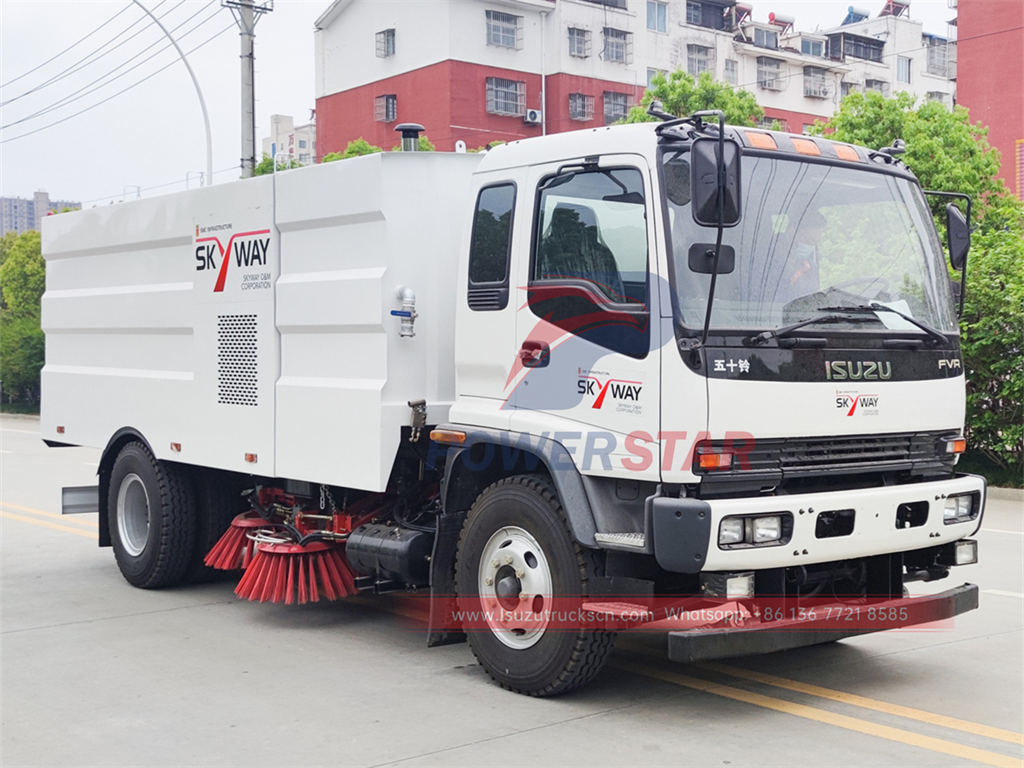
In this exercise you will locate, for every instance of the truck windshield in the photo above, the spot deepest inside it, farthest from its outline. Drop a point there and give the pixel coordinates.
(812, 236)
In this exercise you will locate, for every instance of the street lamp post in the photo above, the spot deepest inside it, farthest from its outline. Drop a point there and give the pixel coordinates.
(195, 82)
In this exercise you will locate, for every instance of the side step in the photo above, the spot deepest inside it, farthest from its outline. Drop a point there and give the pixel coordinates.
(633, 541)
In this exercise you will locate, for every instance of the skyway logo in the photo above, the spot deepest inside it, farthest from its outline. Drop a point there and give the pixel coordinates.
(248, 248)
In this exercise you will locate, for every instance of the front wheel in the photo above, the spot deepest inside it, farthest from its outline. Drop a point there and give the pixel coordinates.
(151, 517)
(519, 574)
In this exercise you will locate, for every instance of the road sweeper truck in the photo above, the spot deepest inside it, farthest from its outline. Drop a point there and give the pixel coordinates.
(676, 375)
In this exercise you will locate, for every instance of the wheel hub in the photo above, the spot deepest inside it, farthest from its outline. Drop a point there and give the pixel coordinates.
(515, 586)
(133, 514)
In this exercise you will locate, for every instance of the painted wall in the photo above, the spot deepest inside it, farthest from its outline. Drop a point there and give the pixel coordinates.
(990, 80)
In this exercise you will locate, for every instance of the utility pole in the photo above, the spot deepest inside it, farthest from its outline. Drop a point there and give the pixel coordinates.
(247, 13)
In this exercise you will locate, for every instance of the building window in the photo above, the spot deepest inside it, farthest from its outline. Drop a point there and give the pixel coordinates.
(814, 83)
(698, 59)
(385, 108)
(615, 107)
(903, 69)
(771, 124)
(769, 73)
(807, 128)
(877, 85)
(657, 16)
(303, 143)
(385, 40)
(581, 106)
(812, 48)
(731, 73)
(618, 46)
(845, 89)
(862, 48)
(766, 38)
(938, 56)
(693, 12)
(610, 3)
(504, 30)
(653, 73)
(937, 96)
(579, 42)
(506, 97)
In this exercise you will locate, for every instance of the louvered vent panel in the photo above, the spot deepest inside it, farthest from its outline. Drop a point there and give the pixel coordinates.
(237, 373)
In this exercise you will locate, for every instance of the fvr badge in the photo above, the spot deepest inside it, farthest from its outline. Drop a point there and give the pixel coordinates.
(246, 249)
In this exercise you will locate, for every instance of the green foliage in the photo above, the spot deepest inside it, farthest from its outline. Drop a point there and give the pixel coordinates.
(6, 243)
(266, 165)
(21, 357)
(23, 276)
(23, 279)
(355, 148)
(681, 94)
(947, 152)
(425, 145)
(992, 327)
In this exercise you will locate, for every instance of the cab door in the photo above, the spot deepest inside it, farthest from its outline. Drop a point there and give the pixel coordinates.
(587, 366)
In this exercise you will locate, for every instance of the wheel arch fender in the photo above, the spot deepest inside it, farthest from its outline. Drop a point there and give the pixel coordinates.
(117, 441)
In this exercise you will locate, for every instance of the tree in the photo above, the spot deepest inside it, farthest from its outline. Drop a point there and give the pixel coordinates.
(947, 152)
(425, 145)
(680, 94)
(23, 279)
(355, 148)
(266, 165)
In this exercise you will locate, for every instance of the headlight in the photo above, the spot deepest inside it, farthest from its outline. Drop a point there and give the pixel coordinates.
(766, 529)
(737, 531)
(731, 531)
(959, 509)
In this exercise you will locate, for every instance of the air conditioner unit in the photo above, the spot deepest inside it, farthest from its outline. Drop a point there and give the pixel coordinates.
(533, 117)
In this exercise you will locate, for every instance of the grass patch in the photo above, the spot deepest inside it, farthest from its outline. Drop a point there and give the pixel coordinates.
(29, 408)
(977, 463)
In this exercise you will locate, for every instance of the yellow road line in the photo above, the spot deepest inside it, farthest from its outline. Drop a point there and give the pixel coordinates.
(47, 524)
(32, 510)
(865, 703)
(824, 716)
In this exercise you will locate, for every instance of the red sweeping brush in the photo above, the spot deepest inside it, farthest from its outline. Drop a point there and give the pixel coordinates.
(235, 549)
(290, 573)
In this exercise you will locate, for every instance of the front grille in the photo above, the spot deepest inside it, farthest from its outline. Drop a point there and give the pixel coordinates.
(809, 456)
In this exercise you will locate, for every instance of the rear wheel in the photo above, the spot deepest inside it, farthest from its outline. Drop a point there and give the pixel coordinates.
(515, 557)
(151, 518)
(218, 500)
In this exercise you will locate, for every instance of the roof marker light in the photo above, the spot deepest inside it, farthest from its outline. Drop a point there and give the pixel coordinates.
(761, 140)
(805, 146)
(844, 152)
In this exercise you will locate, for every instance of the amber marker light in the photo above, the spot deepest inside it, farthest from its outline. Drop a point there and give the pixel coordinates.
(448, 436)
(761, 140)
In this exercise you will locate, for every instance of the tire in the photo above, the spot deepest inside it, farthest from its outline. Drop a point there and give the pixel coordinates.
(522, 515)
(218, 500)
(151, 518)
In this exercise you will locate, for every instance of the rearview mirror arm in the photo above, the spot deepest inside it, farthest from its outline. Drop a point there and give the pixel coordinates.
(963, 272)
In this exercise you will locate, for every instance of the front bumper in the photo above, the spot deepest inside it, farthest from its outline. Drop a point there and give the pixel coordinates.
(682, 533)
(824, 624)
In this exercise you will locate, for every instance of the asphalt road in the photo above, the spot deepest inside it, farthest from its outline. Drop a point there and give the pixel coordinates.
(95, 672)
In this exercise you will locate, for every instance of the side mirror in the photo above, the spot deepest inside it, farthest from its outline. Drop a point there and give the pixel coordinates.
(707, 168)
(958, 236)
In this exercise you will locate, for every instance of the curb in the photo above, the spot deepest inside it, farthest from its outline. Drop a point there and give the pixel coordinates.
(1006, 494)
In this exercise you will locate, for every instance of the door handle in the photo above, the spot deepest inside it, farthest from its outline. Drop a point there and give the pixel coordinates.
(535, 354)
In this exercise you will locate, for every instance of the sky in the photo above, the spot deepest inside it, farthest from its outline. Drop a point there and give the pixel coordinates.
(57, 60)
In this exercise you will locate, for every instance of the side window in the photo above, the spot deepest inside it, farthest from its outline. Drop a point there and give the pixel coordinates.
(589, 273)
(490, 246)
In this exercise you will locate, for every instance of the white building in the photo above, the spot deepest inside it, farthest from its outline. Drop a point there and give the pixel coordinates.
(288, 139)
(480, 70)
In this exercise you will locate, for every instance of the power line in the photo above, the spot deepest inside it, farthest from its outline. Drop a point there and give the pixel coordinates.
(58, 55)
(128, 88)
(156, 186)
(85, 60)
(86, 90)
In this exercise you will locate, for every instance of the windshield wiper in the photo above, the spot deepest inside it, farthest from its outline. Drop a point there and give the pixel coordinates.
(934, 334)
(834, 316)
